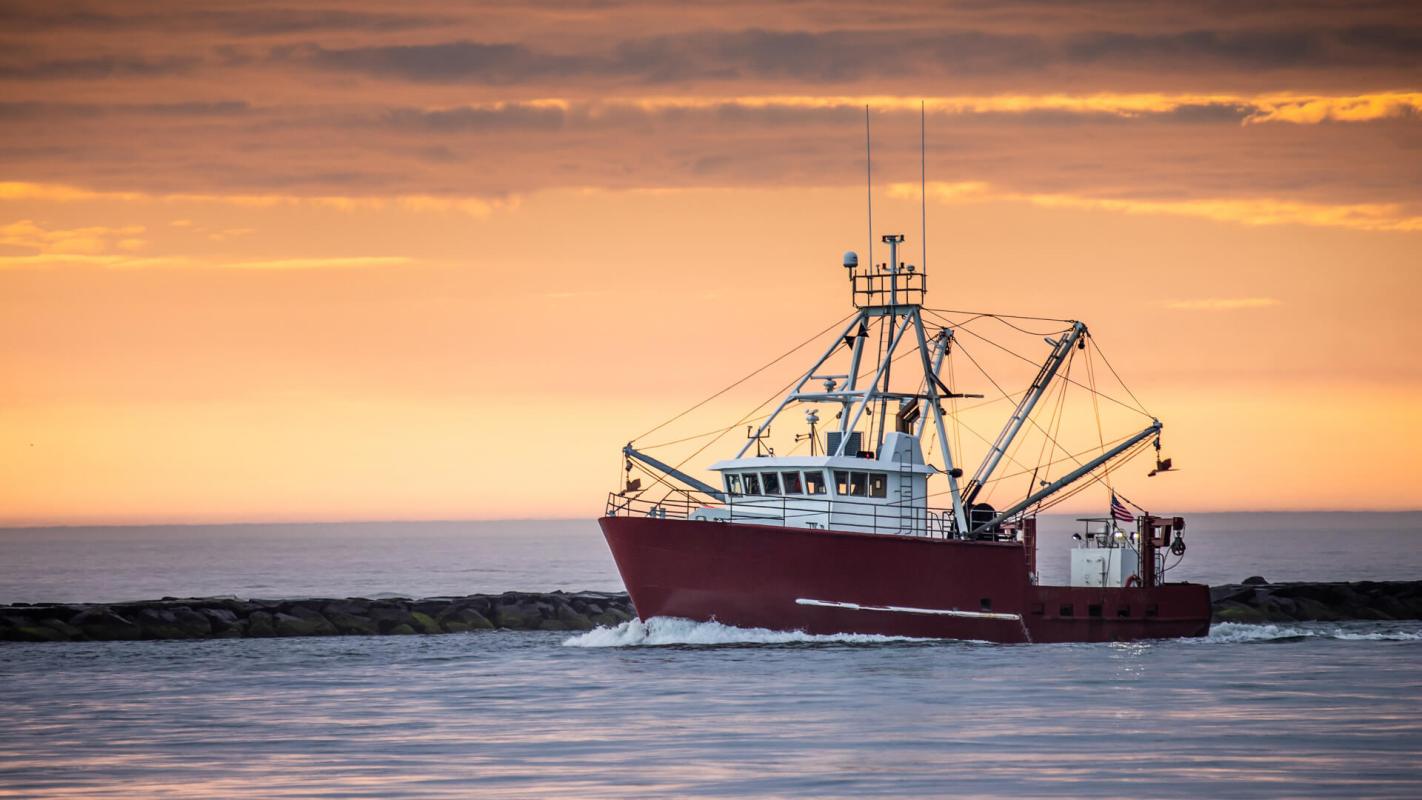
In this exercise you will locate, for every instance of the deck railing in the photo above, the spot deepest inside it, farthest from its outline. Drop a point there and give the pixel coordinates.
(803, 511)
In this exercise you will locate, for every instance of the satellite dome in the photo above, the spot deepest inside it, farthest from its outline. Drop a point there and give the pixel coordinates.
(851, 259)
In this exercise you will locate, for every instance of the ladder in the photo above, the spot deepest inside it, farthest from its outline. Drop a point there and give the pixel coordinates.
(908, 518)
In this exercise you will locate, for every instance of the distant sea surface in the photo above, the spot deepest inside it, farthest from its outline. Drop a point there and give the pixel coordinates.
(673, 708)
(426, 559)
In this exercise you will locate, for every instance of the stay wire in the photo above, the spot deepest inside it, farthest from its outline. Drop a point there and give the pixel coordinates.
(662, 478)
(976, 314)
(1096, 409)
(1067, 457)
(1117, 375)
(1001, 390)
(759, 370)
(1030, 419)
(685, 439)
(1021, 357)
(953, 403)
(1019, 441)
(1018, 328)
(1094, 394)
(1054, 424)
(1089, 479)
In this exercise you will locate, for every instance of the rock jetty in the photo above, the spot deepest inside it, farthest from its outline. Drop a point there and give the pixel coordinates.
(207, 618)
(1255, 600)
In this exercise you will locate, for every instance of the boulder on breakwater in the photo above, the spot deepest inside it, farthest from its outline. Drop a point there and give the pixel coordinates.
(1257, 600)
(209, 618)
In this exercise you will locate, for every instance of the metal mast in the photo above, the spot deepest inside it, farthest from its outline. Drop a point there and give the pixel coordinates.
(892, 296)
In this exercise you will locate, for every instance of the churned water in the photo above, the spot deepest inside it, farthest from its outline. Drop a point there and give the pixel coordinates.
(672, 708)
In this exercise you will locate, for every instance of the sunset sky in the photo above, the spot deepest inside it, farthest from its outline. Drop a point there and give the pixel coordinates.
(358, 260)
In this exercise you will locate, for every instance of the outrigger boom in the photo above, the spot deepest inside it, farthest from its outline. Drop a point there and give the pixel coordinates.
(701, 486)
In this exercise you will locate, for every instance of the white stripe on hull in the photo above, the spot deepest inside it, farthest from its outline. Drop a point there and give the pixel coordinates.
(940, 612)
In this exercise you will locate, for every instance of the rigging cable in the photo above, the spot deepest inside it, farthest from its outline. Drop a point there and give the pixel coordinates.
(1064, 458)
(1054, 424)
(685, 439)
(995, 385)
(759, 370)
(1021, 357)
(953, 401)
(1096, 409)
(1018, 328)
(1004, 316)
(1067, 379)
(1115, 374)
(1029, 418)
(744, 419)
(1089, 479)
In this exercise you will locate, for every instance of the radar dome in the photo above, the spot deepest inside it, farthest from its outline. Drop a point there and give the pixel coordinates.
(851, 259)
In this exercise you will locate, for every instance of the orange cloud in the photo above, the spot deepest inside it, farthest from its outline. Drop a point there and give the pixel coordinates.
(89, 260)
(1356, 108)
(1253, 211)
(92, 239)
(1246, 211)
(1257, 108)
(473, 206)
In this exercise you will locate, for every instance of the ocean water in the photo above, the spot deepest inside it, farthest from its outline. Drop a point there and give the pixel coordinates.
(426, 559)
(673, 708)
(679, 709)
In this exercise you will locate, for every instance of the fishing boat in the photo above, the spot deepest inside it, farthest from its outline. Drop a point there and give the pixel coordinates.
(843, 538)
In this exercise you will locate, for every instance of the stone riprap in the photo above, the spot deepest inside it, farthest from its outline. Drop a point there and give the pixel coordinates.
(1256, 600)
(216, 617)
(208, 617)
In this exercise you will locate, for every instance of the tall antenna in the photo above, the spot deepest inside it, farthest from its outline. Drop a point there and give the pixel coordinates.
(869, 184)
(923, 187)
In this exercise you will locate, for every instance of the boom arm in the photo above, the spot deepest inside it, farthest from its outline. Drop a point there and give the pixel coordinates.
(698, 485)
(1072, 477)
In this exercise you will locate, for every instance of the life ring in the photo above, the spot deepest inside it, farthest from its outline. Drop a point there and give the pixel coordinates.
(1134, 580)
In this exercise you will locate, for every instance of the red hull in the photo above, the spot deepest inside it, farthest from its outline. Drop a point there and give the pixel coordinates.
(821, 581)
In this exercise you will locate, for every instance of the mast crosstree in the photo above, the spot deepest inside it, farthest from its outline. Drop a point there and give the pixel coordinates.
(891, 294)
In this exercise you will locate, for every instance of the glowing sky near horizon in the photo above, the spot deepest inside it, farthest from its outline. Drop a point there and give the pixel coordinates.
(349, 260)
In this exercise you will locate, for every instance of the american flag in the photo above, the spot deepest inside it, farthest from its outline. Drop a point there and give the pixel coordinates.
(1119, 512)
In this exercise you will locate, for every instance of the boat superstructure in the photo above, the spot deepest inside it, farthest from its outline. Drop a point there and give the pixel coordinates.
(845, 537)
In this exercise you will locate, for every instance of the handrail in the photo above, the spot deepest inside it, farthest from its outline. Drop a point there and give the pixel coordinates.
(809, 511)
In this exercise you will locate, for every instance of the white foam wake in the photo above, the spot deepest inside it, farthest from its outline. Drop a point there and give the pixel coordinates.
(1242, 632)
(674, 630)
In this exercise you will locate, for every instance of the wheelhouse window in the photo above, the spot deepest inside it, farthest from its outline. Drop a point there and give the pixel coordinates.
(858, 483)
(814, 482)
(878, 484)
(752, 483)
(790, 482)
(733, 483)
(770, 481)
(851, 484)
